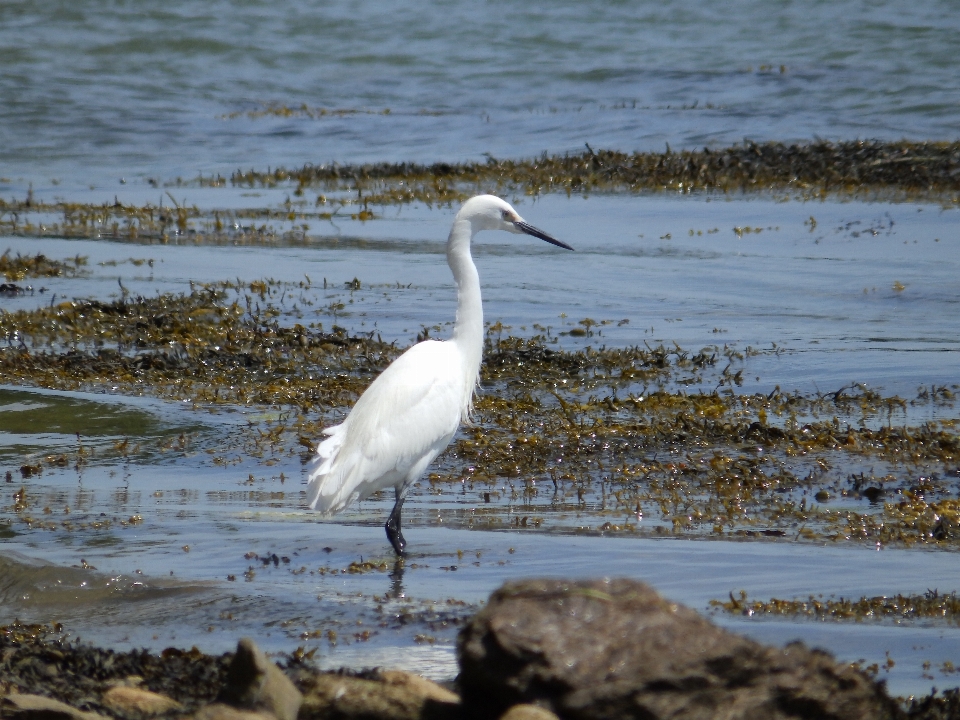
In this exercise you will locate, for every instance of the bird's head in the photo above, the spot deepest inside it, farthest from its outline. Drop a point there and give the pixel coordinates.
(488, 212)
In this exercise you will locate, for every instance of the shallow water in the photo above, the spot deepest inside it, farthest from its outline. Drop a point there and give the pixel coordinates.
(147, 590)
(92, 94)
(164, 527)
(35, 418)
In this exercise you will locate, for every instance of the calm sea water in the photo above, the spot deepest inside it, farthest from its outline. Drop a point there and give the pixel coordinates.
(91, 92)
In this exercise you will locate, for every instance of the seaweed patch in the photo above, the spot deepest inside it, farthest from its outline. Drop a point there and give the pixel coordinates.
(640, 440)
(325, 193)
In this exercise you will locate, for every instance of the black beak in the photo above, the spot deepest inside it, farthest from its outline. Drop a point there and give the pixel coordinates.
(531, 230)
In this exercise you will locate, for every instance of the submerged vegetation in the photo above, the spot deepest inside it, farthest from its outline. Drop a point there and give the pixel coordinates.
(22, 267)
(324, 193)
(642, 440)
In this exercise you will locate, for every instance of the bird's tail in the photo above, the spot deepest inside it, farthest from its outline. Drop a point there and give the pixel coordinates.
(324, 489)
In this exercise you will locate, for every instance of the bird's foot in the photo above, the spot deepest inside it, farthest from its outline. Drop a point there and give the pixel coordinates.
(395, 537)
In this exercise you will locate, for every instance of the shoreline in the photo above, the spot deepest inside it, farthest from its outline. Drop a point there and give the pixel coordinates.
(41, 661)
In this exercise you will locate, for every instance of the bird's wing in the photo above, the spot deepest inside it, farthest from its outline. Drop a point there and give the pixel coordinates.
(327, 450)
(400, 423)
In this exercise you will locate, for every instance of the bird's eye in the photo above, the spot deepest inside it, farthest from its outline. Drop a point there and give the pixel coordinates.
(506, 216)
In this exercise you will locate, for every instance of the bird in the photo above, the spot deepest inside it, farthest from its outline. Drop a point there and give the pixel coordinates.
(411, 411)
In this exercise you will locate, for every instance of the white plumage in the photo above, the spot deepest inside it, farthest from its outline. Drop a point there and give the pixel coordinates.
(405, 419)
(409, 414)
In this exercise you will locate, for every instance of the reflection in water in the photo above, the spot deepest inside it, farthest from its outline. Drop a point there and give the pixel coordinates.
(396, 580)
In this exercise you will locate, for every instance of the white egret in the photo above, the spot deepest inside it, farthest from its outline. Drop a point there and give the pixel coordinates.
(411, 411)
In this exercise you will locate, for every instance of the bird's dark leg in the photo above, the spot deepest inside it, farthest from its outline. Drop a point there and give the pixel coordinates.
(393, 523)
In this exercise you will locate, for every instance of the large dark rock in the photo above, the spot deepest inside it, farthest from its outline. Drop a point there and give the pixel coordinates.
(616, 649)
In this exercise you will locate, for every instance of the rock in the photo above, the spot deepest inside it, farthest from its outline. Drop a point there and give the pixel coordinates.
(616, 649)
(126, 700)
(388, 695)
(37, 707)
(528, 712)
(133, 681)
(254, 683)
(222, 711)
(417, 685)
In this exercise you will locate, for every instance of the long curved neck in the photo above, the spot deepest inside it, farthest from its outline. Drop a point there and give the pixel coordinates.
(468, 330)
